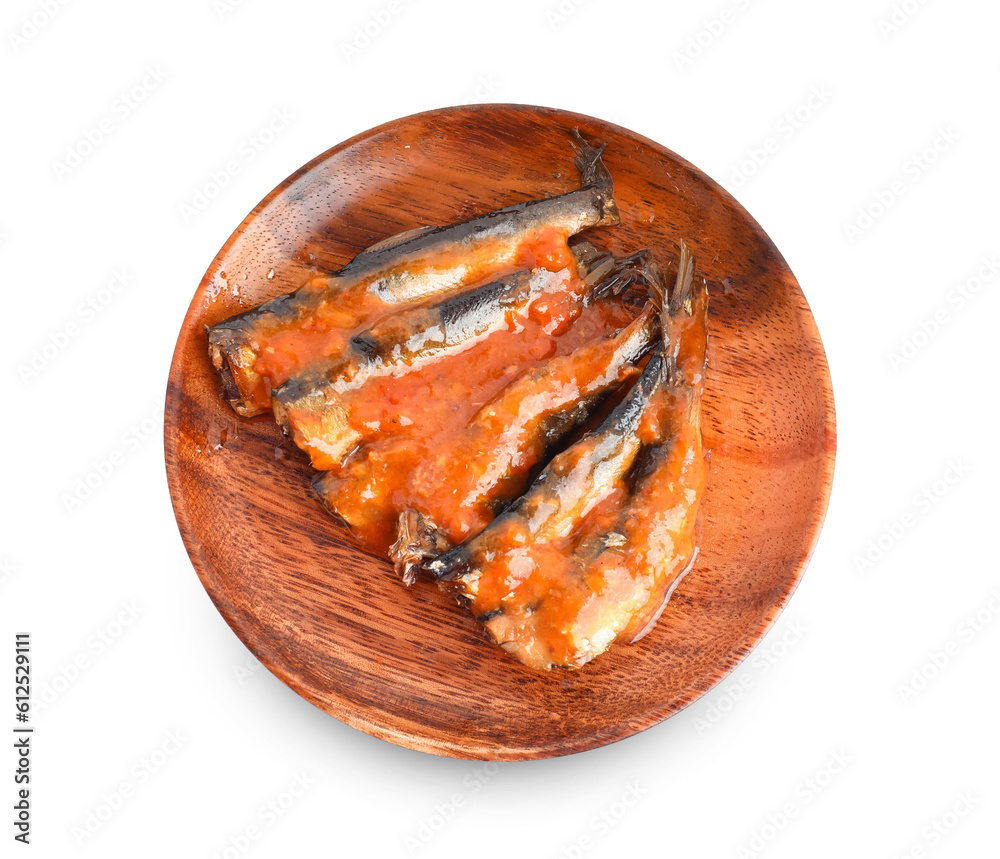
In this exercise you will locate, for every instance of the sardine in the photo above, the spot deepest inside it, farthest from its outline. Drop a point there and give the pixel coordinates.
(315, 408)
(455, 493)
(258, 350)
(590, 554)
(493, 459)
(564, 493)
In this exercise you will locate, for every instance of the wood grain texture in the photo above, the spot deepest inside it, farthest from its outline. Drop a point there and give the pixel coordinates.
(410, 666)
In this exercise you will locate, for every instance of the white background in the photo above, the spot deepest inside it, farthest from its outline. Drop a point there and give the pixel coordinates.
(169, 742)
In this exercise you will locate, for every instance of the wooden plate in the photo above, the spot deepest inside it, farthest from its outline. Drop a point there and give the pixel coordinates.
(409, 666)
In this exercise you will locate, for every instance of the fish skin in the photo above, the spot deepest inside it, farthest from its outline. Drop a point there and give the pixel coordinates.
(500, 446)
(568, 488)
(314, 408)
(593, 204)
(572, 587)
(426, 263)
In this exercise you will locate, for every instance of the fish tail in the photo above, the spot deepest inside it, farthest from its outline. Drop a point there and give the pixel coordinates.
(417, 540)
(594, 174)
(587, 256)
(681, 295)
(684, 325)
(609, 275)
(655, 286)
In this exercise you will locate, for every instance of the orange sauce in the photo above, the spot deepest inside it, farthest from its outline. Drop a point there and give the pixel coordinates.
(419, 461)
(556, 594)
(286, 343)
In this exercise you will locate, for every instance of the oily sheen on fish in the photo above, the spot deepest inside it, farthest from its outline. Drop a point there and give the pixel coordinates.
(491, 459)
(591, 552)
(258, 350)
(315, 408)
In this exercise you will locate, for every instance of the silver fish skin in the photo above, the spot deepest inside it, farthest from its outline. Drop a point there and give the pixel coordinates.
(507, 438)
(410, 267)
(554, 585)
(314, 408)
(570, 486)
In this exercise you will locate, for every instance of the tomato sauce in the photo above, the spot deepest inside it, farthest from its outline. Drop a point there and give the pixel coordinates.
(420, 418)
(327, 311)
